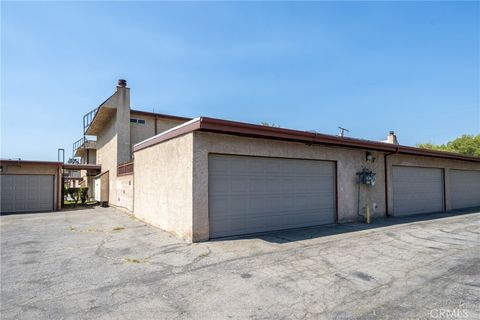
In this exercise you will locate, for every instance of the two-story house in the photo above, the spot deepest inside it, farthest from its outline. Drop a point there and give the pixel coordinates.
(205, 178)
(117, 128)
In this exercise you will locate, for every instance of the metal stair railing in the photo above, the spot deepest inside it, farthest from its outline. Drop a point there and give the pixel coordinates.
(88, 119)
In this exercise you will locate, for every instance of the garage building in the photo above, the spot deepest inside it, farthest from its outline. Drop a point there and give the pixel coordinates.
(210, 178)
(30, 186)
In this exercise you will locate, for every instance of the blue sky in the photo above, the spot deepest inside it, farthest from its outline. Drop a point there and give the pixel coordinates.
(412, 67)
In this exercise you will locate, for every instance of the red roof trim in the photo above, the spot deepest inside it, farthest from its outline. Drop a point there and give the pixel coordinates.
(225, 126)
(158, 115)
(18, 162)
(260, 131)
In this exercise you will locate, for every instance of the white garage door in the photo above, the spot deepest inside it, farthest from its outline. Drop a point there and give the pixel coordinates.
(26, 193)
(255, 194)
(465, 188)
(417, 190)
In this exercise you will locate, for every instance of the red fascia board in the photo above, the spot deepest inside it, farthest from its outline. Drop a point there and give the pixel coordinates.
(252, 130)
(158, 115)
(435, 153)
(246, 129)
(18, 162)
(232, 127)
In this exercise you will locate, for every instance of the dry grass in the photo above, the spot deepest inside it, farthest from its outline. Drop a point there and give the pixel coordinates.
(72, 228)
(135, 260)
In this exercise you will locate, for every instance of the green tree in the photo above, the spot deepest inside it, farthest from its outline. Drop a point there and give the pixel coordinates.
(266, 124)
(467, 144)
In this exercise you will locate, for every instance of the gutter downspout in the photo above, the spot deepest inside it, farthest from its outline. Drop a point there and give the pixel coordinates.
(156, 131)
(387, 213)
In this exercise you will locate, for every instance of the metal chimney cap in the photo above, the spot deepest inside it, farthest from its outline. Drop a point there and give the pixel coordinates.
(122, 83)
(392, 132)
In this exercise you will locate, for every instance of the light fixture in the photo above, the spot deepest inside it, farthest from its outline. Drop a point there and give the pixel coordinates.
(369, 156)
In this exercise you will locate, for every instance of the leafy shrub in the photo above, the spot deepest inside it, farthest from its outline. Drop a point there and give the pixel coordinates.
(83, 194)
(74, 194)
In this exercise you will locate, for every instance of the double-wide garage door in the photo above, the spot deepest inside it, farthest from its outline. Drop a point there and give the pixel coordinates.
(256, 194)
(417, 190)
(26, 193)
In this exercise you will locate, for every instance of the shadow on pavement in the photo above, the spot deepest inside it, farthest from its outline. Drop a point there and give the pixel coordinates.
(291, 235)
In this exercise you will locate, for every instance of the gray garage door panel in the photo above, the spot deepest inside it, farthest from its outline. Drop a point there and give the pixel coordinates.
(26, 193)
(417, 190)
(254, 194)
(464, 188)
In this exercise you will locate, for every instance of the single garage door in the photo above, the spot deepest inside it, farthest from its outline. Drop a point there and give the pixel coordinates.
(464, 188)
(27, 193)
(256, 194)
(417, 190)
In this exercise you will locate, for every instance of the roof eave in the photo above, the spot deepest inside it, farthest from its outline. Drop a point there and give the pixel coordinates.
(75, 166)
(19, 162)
(159, 115)
(259, 131)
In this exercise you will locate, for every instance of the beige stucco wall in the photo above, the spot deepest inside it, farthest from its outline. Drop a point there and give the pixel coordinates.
(140, 132)
(43, 169)
(419, 161)
(88, 182)
(125, 192)
(107, 155)
(108, 151)
(90, 156)
(165, 124)
(349, 162)
(171, 178)
(163, 185)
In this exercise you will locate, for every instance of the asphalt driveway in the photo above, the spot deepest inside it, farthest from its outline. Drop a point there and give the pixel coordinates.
(103, 264)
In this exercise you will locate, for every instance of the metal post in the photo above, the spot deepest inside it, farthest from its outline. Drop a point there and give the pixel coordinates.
(63, 155)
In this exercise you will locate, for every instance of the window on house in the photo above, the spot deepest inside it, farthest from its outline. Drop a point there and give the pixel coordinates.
(139, 121)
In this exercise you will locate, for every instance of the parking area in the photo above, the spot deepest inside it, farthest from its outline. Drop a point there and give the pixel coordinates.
(103, 264)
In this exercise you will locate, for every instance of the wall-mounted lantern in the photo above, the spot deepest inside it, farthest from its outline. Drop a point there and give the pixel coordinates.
(369, 157)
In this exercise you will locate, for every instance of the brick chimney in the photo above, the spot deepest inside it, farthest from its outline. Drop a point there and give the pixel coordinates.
(391, 138)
